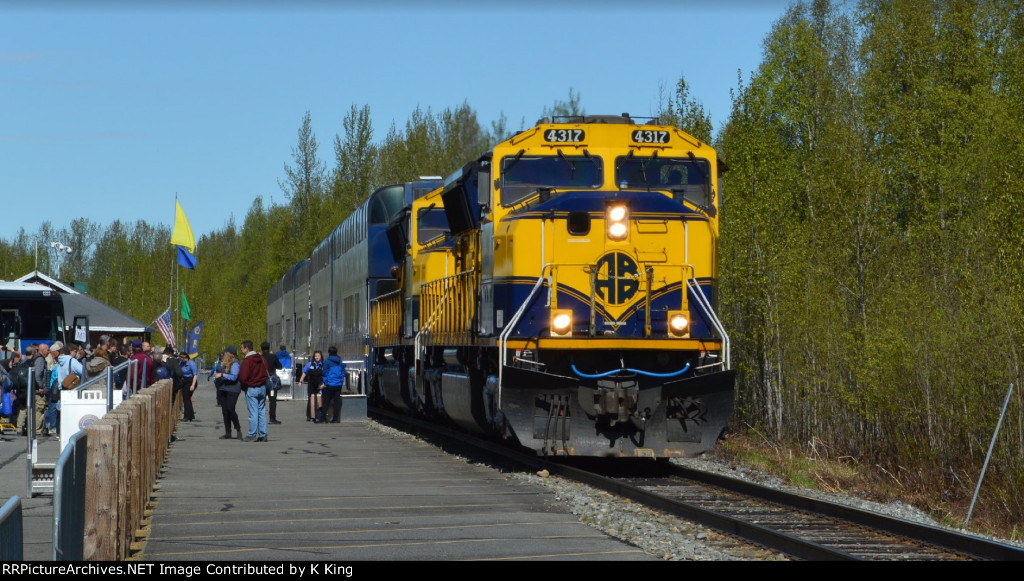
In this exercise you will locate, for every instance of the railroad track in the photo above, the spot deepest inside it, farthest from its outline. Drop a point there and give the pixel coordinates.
(797, 526)
(803, 527)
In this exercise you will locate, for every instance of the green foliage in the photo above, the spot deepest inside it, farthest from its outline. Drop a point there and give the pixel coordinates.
(305, 186)
(685, 112)
(356, 159)
(871, 249)
(570, 108)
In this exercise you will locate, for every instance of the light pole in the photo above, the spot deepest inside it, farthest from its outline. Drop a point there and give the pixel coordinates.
(59, 248)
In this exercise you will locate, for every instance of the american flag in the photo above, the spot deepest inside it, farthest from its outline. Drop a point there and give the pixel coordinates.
(163, 323)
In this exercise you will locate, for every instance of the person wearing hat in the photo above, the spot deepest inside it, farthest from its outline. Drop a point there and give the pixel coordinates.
(189, 381)
(67, 364)
(170, 363)
(52, 363)
(99, 361)
(53, 354)
(273, 364)
(228, 389)
(145, 370)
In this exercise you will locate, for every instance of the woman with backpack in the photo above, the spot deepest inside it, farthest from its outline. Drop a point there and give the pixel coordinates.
(67, 364)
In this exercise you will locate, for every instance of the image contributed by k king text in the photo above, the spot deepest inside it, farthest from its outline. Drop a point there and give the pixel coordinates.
(292, 570)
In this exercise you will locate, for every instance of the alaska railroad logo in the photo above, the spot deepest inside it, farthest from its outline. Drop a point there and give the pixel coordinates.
(617, 278)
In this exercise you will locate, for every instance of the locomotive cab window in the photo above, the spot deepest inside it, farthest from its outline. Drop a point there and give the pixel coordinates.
(431, 223)
(687, 179)
(523, 176)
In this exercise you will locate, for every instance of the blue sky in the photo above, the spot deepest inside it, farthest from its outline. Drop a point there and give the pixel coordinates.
(109, 110)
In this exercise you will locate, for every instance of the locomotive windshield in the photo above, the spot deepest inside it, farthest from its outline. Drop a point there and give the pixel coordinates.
(521, 175)
(687, 178)
(431, 223)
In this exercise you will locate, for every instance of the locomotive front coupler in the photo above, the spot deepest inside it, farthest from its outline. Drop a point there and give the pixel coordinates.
(613, 401)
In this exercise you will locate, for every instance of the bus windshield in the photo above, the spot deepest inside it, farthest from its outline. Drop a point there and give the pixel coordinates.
(29, 313)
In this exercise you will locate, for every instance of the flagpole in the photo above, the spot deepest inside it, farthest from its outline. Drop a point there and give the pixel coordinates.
(183, 239)
(175, 261)
(174, 272)
(170, 290)
(177, 292)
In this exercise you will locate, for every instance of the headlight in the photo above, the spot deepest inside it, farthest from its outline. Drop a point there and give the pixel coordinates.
(617, 220)
(678, 324)
(561, 323)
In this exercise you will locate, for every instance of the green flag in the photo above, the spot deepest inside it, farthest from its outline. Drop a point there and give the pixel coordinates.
(186, 312)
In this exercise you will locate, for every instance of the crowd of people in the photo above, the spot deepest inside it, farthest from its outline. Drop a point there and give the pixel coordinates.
(46, 367)
(49, 368)
(252, 374)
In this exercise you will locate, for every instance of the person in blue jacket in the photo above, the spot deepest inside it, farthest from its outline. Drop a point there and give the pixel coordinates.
(190, 380)
(228, 389)
(284, 357)
(334, 382)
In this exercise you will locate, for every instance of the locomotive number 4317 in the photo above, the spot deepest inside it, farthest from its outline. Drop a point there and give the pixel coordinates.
(650, 136)
(565, 135)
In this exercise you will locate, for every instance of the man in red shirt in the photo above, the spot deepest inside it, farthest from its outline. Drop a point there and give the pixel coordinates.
(145, 371)
(253, 376)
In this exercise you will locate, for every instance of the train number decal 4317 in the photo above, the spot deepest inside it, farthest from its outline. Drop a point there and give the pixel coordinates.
(650, 136)
(565, 135)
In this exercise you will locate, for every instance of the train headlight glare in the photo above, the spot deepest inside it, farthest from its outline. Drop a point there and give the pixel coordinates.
(617, 220)
(678, 324)
(561, 323)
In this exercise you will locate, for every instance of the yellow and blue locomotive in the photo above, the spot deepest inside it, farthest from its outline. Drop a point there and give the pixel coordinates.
(559, 291)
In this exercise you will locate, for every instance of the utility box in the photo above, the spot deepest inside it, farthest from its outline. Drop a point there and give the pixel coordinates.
(287, 390)
(353, 408)
(81, 407)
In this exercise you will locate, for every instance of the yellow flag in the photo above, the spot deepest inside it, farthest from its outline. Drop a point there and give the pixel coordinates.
(182, 234)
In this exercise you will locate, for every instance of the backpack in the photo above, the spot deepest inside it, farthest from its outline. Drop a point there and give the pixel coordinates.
(19, 375)
(55, 386)
(273, 382)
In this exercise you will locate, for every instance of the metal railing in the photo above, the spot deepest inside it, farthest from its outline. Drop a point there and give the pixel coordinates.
(69, 500)
(108, 379)
(451, 302)
(705, 307)
(11, 531)
(512, 324)
(386, 319)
